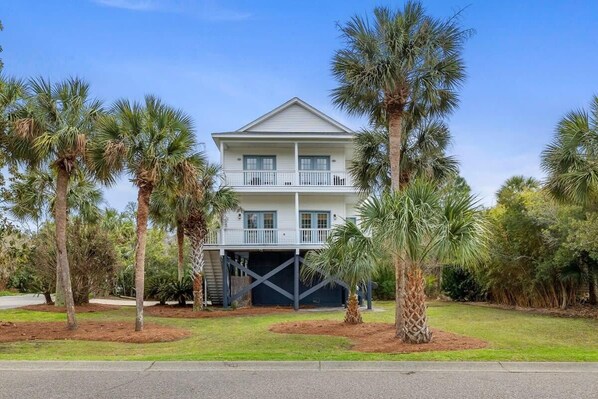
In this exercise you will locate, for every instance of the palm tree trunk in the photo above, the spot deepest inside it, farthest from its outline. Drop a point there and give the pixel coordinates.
(394, 154)
(59, 290)
(180, 239)
(416, 320)
(60, 209)
(353, 314)
(395, 139)
(198, 238)
(143, 198)
(399, 298)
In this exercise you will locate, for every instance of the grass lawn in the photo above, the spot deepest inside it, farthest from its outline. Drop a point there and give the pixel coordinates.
(512, 336)
(8, 293)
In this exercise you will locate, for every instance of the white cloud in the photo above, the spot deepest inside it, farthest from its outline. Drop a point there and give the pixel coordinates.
(208, 10)
(134, 5)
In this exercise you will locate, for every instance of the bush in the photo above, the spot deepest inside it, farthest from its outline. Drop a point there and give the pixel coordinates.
(460, 284)
(385, 284)
(166, 287)
(92, 260)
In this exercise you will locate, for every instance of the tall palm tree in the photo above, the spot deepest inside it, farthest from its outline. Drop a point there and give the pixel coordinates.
(423, 154)
(570, 161)
(204, 206)
(424, 225)
(53, 127)
(402, 66)
(31, 196)
(349, 256)
(149, 141)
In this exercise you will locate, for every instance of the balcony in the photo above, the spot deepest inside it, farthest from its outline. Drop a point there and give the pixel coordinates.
(287, 178)
(267, 237)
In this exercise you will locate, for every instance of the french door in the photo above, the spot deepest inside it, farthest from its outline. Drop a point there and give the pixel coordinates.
(259, 170)
(315, 226)
(314, 170)
(260, 227)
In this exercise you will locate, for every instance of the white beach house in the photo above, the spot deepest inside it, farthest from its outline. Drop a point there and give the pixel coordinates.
(290, 170)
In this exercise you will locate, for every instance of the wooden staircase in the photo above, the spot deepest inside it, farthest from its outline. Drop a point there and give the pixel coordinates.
(213, 277)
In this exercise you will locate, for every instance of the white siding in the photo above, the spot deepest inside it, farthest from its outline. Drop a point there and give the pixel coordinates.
(296, 119)
(284, 205)
(285, 156)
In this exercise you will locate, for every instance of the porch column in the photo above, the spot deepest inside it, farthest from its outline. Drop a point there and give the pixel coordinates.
(225, 293)
(296, 163)
(296, 282)
(297, 232)
(222, 240)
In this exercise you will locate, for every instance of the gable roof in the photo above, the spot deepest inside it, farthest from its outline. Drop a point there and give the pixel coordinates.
(295, 116)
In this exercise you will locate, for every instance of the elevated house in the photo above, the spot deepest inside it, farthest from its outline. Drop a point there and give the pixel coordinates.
(290, 170)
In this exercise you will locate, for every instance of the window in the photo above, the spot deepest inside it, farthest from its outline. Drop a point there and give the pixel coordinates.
(260, 227)
(352, 219)
(257, 170)
(315, 226)
(314, 170)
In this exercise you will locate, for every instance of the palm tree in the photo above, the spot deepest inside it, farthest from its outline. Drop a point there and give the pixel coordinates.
(423, 225)
(570, 161)
(53, 127)
(348, 256)
(204, 206)
(31, 197)
(515, 185)
(149, 141)
(403, 66)
(165, 211)
(423, 154)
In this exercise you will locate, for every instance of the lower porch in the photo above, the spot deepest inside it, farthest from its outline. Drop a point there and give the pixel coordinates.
(272, 278)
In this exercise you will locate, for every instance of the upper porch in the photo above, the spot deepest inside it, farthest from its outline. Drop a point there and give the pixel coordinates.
(252, 165)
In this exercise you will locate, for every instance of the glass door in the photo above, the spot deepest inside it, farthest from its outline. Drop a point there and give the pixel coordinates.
(257, 170)
(315, 226)
(314, 170)
(260, 227)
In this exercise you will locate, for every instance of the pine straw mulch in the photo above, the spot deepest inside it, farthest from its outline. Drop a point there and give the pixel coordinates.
(186, 312)
(86, 308)
(378, 337)
(576, 311)
(111, 331)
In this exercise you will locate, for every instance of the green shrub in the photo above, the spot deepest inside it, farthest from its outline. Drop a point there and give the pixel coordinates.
(460, 284)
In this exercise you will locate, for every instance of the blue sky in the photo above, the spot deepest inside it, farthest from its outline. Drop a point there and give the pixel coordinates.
(228, 62)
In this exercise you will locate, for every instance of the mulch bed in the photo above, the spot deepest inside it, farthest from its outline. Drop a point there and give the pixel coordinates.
(87, 308)
(89, 331)
(186, 312)
(577, 311)
(378, 337)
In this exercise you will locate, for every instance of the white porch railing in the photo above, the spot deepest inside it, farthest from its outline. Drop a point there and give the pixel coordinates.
(268, 178)
(268, 237)
(313, 236)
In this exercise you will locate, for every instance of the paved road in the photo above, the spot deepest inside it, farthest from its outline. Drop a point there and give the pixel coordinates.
(266, 380)
(9, 302)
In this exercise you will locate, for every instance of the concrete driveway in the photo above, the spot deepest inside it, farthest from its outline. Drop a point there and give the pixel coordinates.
(270, 380)
(17, 301)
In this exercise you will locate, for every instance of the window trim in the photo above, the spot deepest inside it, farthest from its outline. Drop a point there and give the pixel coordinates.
(245, 221)
(260, 159)
(314, 214)
(312, 158)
